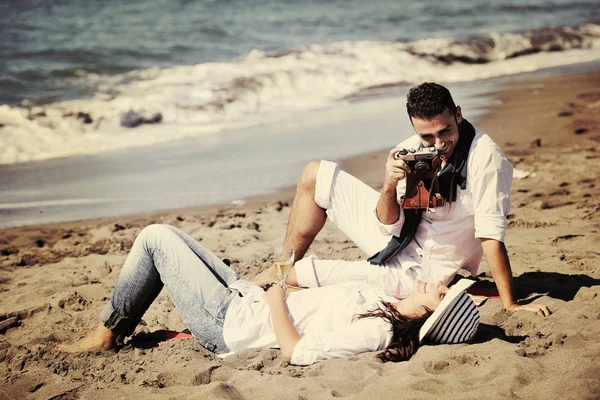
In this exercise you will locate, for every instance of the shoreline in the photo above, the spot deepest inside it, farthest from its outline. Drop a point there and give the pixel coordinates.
(122, 185)
(54, 278)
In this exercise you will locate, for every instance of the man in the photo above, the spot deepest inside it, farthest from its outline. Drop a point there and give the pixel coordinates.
(477, 178)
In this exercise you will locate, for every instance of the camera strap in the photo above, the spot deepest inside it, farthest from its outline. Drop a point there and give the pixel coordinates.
(454, 173)
(412, 218)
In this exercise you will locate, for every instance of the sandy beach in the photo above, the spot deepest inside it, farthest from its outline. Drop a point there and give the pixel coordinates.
(55, 278)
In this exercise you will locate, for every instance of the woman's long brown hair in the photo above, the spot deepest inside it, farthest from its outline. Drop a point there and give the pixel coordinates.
(405, 331)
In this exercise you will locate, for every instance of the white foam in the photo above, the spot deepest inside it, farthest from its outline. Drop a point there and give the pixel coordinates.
(54, 203)
(208, 98)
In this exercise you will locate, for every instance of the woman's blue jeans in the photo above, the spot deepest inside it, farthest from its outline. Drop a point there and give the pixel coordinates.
(196, 280)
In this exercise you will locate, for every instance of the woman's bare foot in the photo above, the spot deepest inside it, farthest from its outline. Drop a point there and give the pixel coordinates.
(101, 339)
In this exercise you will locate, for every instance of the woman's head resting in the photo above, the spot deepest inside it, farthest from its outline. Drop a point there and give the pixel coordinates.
(456, 318)
(425, 297)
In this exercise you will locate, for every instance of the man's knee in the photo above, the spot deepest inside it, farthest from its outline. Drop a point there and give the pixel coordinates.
(308, 178)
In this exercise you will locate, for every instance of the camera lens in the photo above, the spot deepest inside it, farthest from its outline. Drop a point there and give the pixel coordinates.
(421, 167)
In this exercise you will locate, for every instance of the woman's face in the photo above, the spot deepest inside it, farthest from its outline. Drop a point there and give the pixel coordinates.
(428, 295)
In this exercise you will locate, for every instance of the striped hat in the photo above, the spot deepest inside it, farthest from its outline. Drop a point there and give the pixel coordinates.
(455, 320)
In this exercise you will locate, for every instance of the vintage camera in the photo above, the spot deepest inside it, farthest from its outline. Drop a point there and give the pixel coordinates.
(420, 161)
(422, 188)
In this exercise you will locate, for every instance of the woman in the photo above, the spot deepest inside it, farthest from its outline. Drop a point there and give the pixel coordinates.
(227, 314)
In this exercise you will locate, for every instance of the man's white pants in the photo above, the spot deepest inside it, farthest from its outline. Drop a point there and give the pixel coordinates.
(350, 204)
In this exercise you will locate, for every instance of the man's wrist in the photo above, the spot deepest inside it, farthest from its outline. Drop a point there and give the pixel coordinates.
(388, 190)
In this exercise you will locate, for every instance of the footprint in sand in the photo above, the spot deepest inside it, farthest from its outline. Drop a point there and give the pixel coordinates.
(73, 302)
(565, 237)
(444, 366)
(590, 97)
(538, 345)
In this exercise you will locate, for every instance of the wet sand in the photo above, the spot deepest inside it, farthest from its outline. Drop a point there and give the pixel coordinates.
(55, 278)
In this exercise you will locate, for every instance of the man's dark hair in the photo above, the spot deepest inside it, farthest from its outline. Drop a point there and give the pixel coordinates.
(429, 99)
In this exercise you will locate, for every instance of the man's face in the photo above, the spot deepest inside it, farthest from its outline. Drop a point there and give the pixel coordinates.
(441, 131)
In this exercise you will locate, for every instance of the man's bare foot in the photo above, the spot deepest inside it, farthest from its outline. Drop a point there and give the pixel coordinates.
(101, 339)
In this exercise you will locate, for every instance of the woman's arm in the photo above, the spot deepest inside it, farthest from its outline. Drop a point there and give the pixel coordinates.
(286, 334)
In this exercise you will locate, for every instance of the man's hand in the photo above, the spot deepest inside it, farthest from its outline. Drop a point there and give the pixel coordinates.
(395, 170)
(388, 209)
(265, 278)
(539, 309)
(497, 258)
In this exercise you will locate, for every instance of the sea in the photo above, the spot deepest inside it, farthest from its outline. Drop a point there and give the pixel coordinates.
(237, 84)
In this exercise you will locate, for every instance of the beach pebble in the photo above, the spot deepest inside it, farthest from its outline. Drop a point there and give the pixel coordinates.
(8, 251)
(8, 323)
(253, 226)
(35, 387)
(132, 119)
(27, 260)
(278, 205)
(118, 227)
(84, 117)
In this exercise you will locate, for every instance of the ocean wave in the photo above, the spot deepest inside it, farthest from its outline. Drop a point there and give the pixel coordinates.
(497, 47)
(547, 6)
(262, 87)
(83, 71)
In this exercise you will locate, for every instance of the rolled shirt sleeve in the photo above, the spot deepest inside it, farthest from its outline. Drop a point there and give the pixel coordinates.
(491, 180)
(364, 335)
(391, 229)
(396, 227)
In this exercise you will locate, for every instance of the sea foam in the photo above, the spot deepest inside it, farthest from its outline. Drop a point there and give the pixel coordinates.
(258, 88)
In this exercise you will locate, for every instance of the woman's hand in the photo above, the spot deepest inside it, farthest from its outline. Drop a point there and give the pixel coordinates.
(275, 294)
(286, 334)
